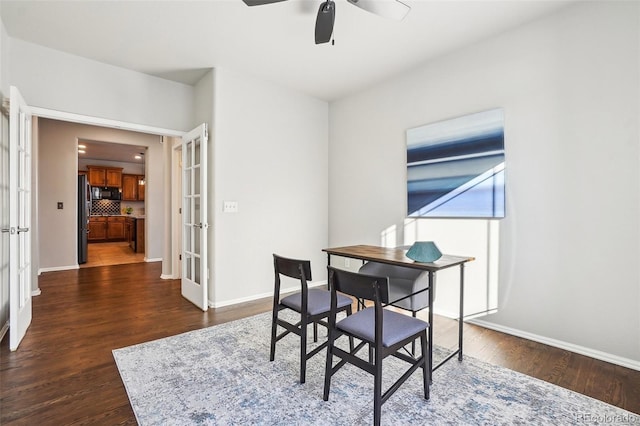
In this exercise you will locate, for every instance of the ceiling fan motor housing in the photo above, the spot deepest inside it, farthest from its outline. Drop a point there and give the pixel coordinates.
(324, 22)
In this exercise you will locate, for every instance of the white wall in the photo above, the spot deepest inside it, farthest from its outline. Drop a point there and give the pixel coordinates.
(204, 100)
(569, 246)
(58, 171)
(270, 156)
(59, 81)
(4, 61)
(62, 82)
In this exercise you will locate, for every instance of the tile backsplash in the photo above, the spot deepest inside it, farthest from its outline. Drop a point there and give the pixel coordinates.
(111, 207)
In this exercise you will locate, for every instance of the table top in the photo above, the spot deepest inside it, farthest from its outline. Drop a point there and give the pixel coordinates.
(396, 256)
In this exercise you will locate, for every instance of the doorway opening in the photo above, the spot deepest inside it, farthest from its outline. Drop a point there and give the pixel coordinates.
(150, 206)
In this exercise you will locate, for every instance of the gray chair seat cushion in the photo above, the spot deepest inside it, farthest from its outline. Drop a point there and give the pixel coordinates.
(319, 301)
(395, 326)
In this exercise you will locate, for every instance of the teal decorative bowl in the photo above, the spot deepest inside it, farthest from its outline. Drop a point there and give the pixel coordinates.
(424, 251)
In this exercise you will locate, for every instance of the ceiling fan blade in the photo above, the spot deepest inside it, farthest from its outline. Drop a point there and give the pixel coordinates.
(324, 22)
(392, 9)
(260, 2)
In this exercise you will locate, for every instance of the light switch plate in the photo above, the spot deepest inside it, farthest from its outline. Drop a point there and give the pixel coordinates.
(230, 206)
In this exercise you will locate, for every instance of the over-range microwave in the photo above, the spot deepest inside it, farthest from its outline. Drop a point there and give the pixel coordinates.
(105, 193)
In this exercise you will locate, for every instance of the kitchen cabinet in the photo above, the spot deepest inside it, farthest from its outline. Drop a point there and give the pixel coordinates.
(128, 229)
(97, 228)
(139, 236)
(141, 187)
(129, 188)
(132, 190)
(105, 176)
(135, 233)
(115, 228)
(106, 228)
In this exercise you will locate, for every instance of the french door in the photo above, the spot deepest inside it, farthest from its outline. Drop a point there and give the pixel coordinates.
(19, 219)
(195, 269)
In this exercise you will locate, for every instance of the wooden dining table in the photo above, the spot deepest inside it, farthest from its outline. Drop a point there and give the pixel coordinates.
(397, 256)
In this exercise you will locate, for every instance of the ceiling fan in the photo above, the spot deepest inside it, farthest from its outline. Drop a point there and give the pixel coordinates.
(393, 9)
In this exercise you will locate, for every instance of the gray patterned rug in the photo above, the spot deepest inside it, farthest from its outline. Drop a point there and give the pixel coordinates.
(222, 375)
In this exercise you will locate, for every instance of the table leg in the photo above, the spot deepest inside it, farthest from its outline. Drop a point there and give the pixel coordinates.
(460, 319)
(430, 342)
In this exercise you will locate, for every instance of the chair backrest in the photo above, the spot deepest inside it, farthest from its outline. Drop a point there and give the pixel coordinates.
(293, 268)
(361, 286)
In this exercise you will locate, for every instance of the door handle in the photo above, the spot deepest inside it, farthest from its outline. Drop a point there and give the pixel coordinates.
(22, 230)
(11, 230)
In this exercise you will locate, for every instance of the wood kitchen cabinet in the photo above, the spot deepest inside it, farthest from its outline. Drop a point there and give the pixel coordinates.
(134, 230)
(115, 228)
(141, 187)
(139, 236)
(106, 228)
(128, 229)
(132, 190)
(97, 228)
(105, 176)
(129, 188)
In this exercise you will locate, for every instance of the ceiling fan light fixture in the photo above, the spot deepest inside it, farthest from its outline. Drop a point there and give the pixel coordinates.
(260, 2)
(324, 21)
(391, 9)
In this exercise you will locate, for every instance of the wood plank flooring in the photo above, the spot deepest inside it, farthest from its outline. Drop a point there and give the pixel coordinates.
(111, 253)
(64, 372)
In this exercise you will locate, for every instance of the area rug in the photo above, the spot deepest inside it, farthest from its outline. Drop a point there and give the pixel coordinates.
(221, 375)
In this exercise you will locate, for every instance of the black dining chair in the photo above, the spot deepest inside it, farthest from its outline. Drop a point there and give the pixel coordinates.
(385, 332)
(408, 288)
(313, 305)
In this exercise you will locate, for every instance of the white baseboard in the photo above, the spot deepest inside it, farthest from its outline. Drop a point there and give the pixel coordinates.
(167, 277)
(592, 353)
(36, 292)
(260, 296)
(154, 259)
(58, 268)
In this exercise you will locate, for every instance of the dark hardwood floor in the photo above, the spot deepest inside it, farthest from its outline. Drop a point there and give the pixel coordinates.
(64, 372)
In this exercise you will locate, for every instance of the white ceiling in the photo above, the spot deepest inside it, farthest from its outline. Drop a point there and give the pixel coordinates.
(181, 40)
(99, 150)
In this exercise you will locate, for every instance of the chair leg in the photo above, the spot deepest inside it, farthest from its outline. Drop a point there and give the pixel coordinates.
(377, 390)
(315, 331)
(274, 328)
(328, 367)
(413, 344)
(426, 374)
(351, 343)
(303, 351)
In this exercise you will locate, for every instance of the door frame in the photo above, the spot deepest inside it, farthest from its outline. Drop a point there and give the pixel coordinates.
(176, 208)
(116, 124)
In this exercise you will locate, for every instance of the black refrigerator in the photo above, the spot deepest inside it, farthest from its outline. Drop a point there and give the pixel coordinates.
(84, 211)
